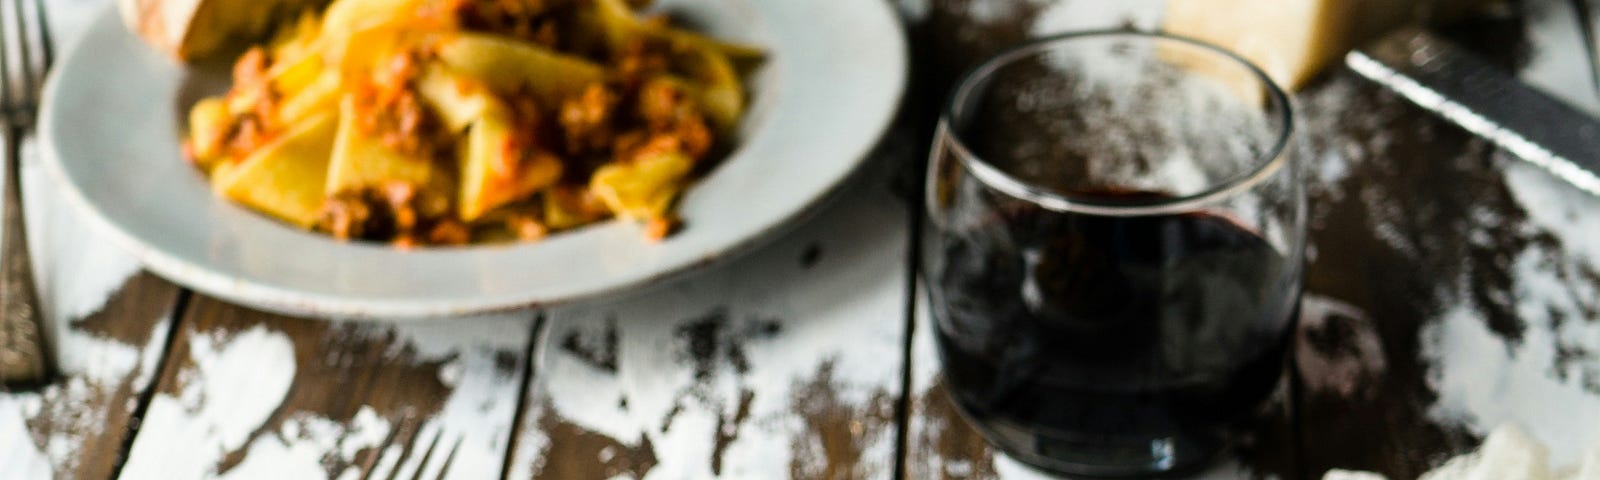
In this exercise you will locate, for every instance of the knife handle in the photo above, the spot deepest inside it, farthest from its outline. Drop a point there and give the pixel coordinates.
(1443, 78)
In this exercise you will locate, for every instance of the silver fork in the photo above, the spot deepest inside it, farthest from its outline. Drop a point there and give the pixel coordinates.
(25, 55)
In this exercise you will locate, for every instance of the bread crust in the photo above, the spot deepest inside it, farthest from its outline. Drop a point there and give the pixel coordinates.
(195, 30)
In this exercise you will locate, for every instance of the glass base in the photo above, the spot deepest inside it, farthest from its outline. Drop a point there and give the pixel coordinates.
(1102, 456)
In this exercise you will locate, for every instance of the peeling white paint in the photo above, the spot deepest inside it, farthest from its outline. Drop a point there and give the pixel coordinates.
(20, 458)
(848, 309)
(1482, 379)
(239, 382)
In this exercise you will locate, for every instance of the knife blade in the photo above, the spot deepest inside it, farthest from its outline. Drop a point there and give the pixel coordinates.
(1479, 97)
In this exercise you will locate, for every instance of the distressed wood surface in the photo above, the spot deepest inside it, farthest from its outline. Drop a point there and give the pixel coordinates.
(785, 363)
(108, 324)
(1467, 298)
(1451, 289)
(108, 360)
(248, 394)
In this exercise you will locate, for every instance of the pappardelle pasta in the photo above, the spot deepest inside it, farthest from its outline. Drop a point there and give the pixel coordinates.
(427, 122)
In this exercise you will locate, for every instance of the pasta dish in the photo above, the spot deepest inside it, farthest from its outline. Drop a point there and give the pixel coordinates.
(429, 122)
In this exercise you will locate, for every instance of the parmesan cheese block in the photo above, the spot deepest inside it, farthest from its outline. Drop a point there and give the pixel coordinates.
(193, 30)
(1292, 40)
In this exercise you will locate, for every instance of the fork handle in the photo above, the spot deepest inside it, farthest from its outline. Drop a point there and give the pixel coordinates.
(23, 354)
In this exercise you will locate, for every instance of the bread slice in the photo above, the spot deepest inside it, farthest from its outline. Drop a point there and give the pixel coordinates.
(197, 30)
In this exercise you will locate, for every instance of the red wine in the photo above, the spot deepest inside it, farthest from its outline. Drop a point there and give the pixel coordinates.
(1068, 336)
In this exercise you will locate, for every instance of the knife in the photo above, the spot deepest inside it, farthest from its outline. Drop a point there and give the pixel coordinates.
(1481, 98)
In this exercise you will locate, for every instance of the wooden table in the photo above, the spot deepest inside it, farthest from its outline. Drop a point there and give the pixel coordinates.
(1451, 289)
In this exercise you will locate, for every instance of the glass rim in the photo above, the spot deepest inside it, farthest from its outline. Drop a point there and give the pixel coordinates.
(1264, 165)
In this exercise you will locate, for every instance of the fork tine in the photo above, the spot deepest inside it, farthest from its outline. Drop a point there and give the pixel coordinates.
(25, 58)
(47, 50)
(6, 70)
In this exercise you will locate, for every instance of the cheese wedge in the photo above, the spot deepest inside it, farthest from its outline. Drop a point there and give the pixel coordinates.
(1293, 40)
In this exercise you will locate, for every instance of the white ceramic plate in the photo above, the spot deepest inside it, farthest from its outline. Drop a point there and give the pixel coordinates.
(110, 128)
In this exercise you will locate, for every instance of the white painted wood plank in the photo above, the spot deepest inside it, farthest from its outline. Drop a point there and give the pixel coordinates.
(785, 362)
(292, 398)
(77, 271)
(1548, 381)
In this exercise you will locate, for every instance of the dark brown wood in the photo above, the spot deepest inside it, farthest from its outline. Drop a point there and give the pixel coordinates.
(1424, 208)
(1424, 223)
(92, 414)
(1411, 220)
(368, 399)
(784, 363)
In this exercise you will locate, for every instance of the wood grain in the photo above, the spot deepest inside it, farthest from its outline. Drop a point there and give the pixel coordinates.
(108, 326)
(781, 364)
(1451, 288)
(91, 408)
(1451, 285)
(250, 393)
(1438, 292)
(1386, 238)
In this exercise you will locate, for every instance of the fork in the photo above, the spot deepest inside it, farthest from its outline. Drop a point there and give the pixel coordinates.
(25, 55)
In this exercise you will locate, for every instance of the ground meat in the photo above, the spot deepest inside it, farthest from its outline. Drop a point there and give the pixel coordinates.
(526, 227)
(247, 135)
(546, 33)
(389, 108)
(586, 119)
(573, 206)
(639, 60)
(658, 104)
(525, 141)
(526, 110)
(627, 142)
(395, 212)
(657, 145)
(659, 228)
(449, 232)
(695, 137)
(251, 69)
(399, 123)
(666, 111)
(535, 21)
(395, 75)
(347, 215)
(399, 196)
(404, 241)
(255, 125)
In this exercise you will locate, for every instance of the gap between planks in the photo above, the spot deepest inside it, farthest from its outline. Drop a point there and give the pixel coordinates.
(304, 397)
(174, 323)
